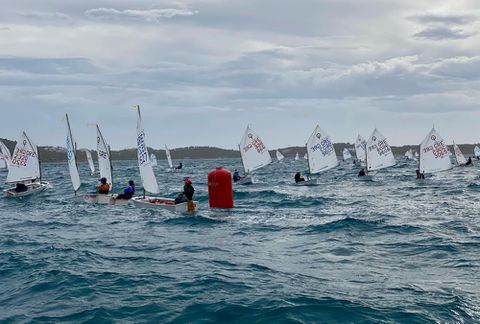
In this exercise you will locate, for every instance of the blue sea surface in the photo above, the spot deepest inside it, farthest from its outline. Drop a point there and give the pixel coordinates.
(346, 251)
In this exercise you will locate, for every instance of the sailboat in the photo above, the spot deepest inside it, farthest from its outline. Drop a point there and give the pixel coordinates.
(476, 152)
(72, 158)
(321, 155)
(24, 168)
(434, 154)
(305, 156)
(150, 182)
(254, 155)
(346, 154)
(409, 154)
(91, 165)
(169, 158)
(5, 156)
(279, 155)
(459, 157)
(378, 153)
(296, 157)
(360, 145)
(153, 159)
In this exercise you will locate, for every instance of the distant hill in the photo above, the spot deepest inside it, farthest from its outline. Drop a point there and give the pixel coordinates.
(58, 154)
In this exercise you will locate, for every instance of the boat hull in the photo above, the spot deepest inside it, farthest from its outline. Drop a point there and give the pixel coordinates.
(104, 199)
(33, 188)
(306, 183)
(247, 180)
(163, 203)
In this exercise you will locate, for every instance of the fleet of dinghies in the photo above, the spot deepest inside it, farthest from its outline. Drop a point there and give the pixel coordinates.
(24, 169)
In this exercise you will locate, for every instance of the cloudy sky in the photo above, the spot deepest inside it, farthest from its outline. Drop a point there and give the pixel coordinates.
(202, 70)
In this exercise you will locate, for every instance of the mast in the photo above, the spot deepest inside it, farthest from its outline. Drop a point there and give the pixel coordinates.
(308, 159)
(111, 167)
(366, 158)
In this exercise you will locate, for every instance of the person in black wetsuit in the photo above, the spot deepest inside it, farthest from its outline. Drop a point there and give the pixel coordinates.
(180, 165)
(188, 189)
(362, 173)
(298, 177)
(469, 162)
(236, 176)
(20, 187)
(419, 174)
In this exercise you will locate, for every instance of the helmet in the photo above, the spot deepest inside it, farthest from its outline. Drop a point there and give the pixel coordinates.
(103, 180)
(187, 180)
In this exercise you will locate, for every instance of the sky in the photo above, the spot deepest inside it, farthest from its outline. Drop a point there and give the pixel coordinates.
(202, 70)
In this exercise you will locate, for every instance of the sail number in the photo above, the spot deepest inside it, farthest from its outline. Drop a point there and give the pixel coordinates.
(141, 149)
(21, 156)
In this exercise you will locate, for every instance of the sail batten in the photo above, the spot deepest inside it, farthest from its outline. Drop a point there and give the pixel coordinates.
(320, 152)
(144, 164)
(434, 154)
(254, 153)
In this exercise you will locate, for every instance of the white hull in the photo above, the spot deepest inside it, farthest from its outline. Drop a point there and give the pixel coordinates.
(245, 181)
(163, 203)
(309, 182)
(33, 188)
(365, 178)
(103, 199)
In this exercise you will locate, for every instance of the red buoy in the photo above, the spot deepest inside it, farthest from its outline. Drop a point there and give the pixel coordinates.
(220, 192)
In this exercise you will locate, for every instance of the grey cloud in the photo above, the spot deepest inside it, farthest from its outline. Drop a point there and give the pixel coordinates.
(459, 67)
(48, 65)
(443, 19)
(48, 17)
(149, 15)
(443, 33)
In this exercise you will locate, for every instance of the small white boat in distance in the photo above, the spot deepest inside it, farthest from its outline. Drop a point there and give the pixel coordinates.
(434, 154)
(296, 157)
(360, 148)
(346, 154)
(5, 156)
(459, 157)
(254, 155)
(169, 157)
(91, 165)
(72, 158)
(321, 155)
(153, 159)
(279, 155)
(476, 151)
(24, 170)
(150, 182)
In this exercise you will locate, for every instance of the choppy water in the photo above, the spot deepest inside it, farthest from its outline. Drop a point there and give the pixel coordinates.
(390, 250)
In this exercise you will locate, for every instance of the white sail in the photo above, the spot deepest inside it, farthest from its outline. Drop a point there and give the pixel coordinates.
(104, 160)
(296, 156)
(320, 151)
(415, 154)
(5, 156)
(91, 165)
(24, 164)
(434, 154)
(360, 145)
(72, 158)
(153, 159)
(346, 154)
(459, 155)
(254, 153)
(146, 171)
(279, 155)
(409, 154)
(169, 157)
(476, 151)
(305, 156)
(379, 154)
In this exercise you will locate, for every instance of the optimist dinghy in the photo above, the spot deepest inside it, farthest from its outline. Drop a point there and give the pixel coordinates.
(434, 154)
(378, 155)
(24, 170)
(5, 157)
(150, 182)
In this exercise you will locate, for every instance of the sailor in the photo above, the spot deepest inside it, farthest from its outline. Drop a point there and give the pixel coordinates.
(236, 176)
(420, 175)
(103, 188)
(128, 192)
(20, 187)
(188, 189)
(469, 162)
(362, 173)
(180, 165)
(298, 177)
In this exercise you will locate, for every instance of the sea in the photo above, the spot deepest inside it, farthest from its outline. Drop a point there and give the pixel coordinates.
(390, 250)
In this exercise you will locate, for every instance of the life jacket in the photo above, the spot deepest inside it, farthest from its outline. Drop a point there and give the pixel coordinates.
(103, 188)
